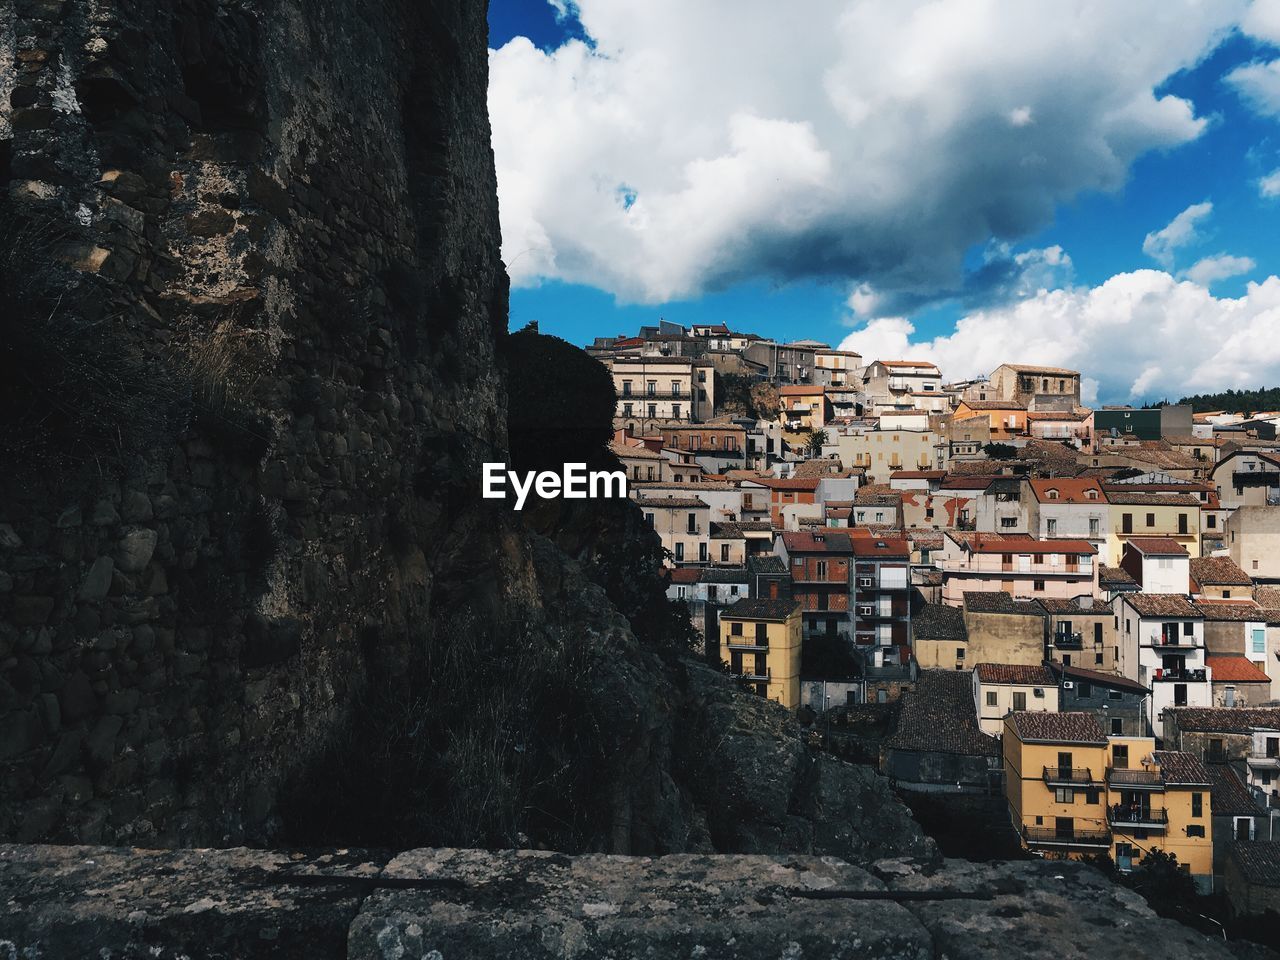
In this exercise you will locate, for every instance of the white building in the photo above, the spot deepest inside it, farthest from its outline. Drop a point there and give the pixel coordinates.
(1162, 647)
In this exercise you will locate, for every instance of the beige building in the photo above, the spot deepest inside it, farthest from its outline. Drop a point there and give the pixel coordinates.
(1038, 388)
(1000, 629)
(883, 452)
(1252, 537)
(1001, 688)
(1172, 515)
(656, 392)
(683, 524)
(836, 368)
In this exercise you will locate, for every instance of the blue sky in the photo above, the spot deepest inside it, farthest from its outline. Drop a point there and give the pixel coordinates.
(594, 270)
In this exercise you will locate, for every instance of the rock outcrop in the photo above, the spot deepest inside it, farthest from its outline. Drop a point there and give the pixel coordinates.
(521, 905)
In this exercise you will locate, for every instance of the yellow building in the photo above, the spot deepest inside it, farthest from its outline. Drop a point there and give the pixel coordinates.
(1073, 791)
(884, 452)
(1145, 514)
(760, 641)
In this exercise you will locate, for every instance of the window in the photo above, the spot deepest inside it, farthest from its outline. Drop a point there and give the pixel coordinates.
(1195, 829)
(1259, 641)
(626, 388)
(1037, 585)
(1120, 756)
(735, 629)
(762, 634)
(1151, 519)
(626, 409)
(1216, 752)
(1126, 523)
(692, 523)
(653, 410)
(1051, 526)
(1114, 695)
(1117, 727)
(702, 552)
(1188, 628)
(724, 553)
(822, 569)
(1091, 795)
(1008, 522)
(675, 388)
(1097, 634)
(1273, 747)
(991, 698)
(1019, 700)
(679, 551)
(1065, 795)
(651, 388)
(1211, 521)
(649, 518)
(1083, 690)
(959, 653)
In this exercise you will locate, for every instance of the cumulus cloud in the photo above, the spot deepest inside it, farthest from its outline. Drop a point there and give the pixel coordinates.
(1180, 232)
(1269, 186)
(1259, 84)
(683, 150)
(1139, 335)
(1262, 21)
(1218, 267)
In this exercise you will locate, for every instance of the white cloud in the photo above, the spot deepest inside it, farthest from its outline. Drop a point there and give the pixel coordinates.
(1269, 186)
(1140, 335)
(1262, 21)
(1259, 84)
(1221, 266)
(858, 141)
(1180, 232)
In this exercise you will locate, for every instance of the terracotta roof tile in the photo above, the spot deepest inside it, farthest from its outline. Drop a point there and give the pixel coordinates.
(1116, 576)
(1235, 670)
(1178, 768)
(997, 601)
(939, 717)
(1225, 719)
(1020, 673)
(1069, 490)
(1218, 571)
(1231, 798)
(1239, 611)
(1157, 546)
(1162, 605)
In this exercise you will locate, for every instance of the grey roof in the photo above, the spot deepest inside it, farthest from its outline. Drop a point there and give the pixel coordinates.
(937, 621)
(761, 609)
(939, 717)
(1259, 861)
(724, 575)
(997, 601)
(769, 563)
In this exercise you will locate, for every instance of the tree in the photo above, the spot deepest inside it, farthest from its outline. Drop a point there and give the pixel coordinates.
(1000, 451)
(1164, 884)
(814, 441)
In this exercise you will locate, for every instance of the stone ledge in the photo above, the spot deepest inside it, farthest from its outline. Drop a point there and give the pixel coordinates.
(442, 904)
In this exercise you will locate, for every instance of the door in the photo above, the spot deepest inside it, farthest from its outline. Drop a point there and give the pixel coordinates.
(1126, 523)
(1064, 828)
(1064, 765)
(1244, 828)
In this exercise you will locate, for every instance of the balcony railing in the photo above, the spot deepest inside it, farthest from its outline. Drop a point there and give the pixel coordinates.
(748, 643)
(1264, 763)
(747, 675)
(1134, 779)
(1166, 642)
(1164, 674)
(1069, 776)
(1123, 817)
(1068, 641)
(1078, 837)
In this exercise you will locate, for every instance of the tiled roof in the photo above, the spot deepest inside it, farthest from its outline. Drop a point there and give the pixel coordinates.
(993, 404)
(807, 484)
(1235, 670)
(1259, 861)
(907, 363)
(977, 481)
(1051, 371)
(1069, 489)
(824, 540)
(1034, 546)
(926, 539)
(1060, 605)
(1162, 605)
(1115, 576)
(684, 575)
(873, 547)
(926, 577)
(1267, 596)
(1058, 727)
(939, 717)
(1230, 796)
(1218, 571)
(1157, 546)
(1073, 416)
(1112, 680)
(1036, 676)
(682, 503)
(1225, 719)
(800, 390)
(997, 601)
(724, 575)
(1153, 499)
(819, 468)
(937, 621)
(1239, 611)
(918, 474)
(636, 452)
(766, 563)
(755, 526)
(1178, 768)
(759, 609)
(725, 531)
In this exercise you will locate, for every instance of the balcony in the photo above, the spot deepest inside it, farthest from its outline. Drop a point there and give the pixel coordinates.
(1069, 641)
(1165, 675)
(747, 675)
(1264, 763)
(1079, 837)
(1163, 641)
(1121, 817)
(1069, 777)
(747, 643)
(1123, 777)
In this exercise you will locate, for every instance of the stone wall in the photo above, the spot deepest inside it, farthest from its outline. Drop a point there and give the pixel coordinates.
(431, 903)
(281, 220)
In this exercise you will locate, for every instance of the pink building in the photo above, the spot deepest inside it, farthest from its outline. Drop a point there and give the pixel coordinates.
(1020, 566)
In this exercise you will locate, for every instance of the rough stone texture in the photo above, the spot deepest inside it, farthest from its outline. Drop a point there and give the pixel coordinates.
(288, 211)
(443, 903)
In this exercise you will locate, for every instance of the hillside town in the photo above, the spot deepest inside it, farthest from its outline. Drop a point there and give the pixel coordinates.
(1076, 610)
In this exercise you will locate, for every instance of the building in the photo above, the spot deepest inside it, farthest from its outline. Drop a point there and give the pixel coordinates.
(683, 525)
(760, 640)
(1237, 817)
(1036, 388)
(890, 384)
(1001, 688)
(1219, 578)
(882, 599)
(1237, 682)
(836, 368)
(1074, 791)
(1070, 509)
(1157, 564)
(1005, 506)
(884, 452)
(1252, 535)
(1143, 514)
(1073, 427)
(1082, 633)
(1237, 628)
(820, 562)
(1247, 478)
(1162, 647)
(803, 408)
(661, 391)
(1005, 419)
(1020, 567)
(1117, 703)
(937, 746)
(1251, 878)
(939, 637)
(1001, 629)
(641, 462)
(1119, 423)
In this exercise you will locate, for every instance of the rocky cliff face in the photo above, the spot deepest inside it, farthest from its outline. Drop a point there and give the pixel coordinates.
(252, 358)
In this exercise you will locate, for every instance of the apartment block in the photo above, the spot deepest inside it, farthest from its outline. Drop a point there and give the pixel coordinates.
(760, 640)
(820, 562)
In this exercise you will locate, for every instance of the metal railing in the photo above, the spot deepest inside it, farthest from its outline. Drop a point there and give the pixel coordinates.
(1068, 641)
(1126, 777)
(1068, 775)
(1164, 674)
(1120, 815)
(1077, 837)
